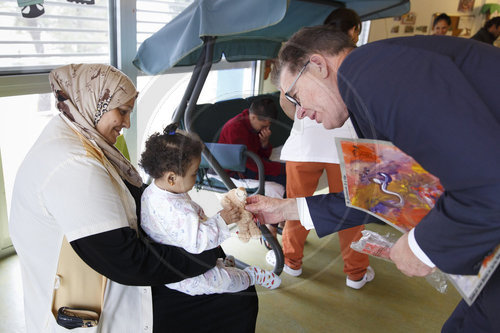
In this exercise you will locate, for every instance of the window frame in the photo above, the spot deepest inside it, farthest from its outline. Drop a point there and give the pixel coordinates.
(34, 70)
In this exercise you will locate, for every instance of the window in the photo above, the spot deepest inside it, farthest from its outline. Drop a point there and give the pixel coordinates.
(152, 15)
(67, 32)
(21, 122)
(22, 119)
(160, 94)
(365, 32)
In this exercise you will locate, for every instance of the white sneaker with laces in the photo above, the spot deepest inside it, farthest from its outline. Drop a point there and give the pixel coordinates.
(290, 271)
(271, 260)
(369, 275)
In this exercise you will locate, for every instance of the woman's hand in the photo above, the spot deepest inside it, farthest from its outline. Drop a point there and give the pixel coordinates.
(271, 210)
(230, 215)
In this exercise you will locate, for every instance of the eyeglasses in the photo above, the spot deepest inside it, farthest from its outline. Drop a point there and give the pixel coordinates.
(287, 95)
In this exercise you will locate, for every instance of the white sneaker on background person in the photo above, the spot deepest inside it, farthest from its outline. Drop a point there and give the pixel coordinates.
(271, 260)
(369, 275)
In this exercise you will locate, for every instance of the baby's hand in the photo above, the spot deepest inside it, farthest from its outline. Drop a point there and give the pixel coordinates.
(230, 215)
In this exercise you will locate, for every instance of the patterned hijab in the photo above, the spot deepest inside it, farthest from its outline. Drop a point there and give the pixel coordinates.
(84, 93)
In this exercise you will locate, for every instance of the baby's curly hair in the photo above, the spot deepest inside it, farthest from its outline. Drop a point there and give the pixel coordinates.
(171, 151)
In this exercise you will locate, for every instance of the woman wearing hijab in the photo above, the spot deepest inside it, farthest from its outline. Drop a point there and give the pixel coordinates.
(74, 225)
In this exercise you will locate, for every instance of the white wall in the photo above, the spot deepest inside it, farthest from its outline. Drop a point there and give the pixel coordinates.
(424, 9)
(4, 233)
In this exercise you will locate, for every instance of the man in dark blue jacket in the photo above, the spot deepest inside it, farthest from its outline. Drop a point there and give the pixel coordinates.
(437, 99)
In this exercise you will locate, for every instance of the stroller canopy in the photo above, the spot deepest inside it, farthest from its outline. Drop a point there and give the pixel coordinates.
(245, 29)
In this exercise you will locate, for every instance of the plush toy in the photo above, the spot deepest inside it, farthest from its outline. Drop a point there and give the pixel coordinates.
(247, 227)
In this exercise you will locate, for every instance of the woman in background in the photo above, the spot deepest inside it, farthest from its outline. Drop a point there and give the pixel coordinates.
(441, 25)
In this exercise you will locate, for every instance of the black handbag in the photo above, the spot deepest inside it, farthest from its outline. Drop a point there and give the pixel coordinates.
(73, 318)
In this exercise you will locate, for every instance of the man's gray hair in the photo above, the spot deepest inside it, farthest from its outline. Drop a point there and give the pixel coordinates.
(321, 39)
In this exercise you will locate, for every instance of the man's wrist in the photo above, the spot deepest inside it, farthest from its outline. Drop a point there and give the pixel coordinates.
(417, 251)
(304, 215)
(290, 210)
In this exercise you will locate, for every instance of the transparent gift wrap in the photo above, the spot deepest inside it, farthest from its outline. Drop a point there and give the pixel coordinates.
(380, 246)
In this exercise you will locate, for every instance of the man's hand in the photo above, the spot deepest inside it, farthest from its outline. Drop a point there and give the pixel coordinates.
(264, 136)
(406, 261)
(271, 210)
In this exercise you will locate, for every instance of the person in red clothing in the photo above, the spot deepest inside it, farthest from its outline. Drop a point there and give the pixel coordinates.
(251, 128)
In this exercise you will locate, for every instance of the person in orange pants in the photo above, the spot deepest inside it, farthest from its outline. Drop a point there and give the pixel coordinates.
(302, 180)
(306, 159)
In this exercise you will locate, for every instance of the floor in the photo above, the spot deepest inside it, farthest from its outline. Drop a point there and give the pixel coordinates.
(317, 301)
(11, 302)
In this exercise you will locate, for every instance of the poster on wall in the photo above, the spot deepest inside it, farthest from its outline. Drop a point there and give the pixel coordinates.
(422, 29)
(409, 18)
(465, 6)
(409, 29)
(395, 29)
(465, 25)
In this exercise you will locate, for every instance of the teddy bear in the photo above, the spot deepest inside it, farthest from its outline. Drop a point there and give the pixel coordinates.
(246, 225)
